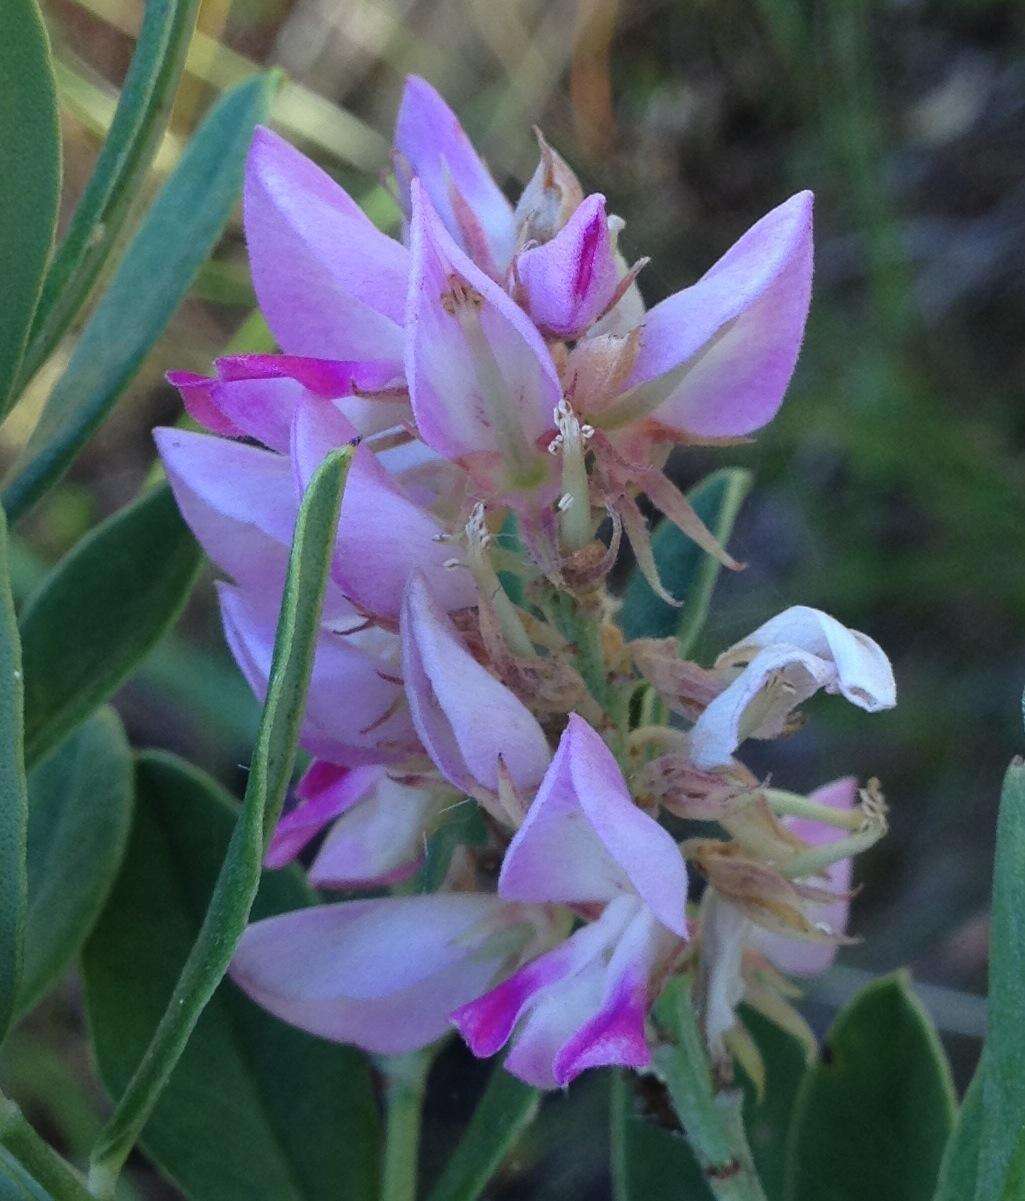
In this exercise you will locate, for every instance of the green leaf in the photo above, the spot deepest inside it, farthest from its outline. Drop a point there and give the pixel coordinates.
(100, 610)
(507, 1107)
(131, 143)
(269, 775)
(462, 825)
(155, 273)
(29, 177)
(13, 799)
(872, 1118)
(650, 1161)
(1014, 1182)
(16, 1184)
(255, 1110)
(960, 1165)
(80, 807)
(685, 570)
(1003, 1079)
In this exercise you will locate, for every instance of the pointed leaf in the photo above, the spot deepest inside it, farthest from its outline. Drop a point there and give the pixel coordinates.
(155, 273)
(127, 153)
(80, 805)
(13, 798)
(15, 1182)
(99, 611)
(1003, 1079)
(507, 1107)
(873, 1117)
(685, 570)
(255, 1110)
(29, 177)
(960, 1166)
(269, 776)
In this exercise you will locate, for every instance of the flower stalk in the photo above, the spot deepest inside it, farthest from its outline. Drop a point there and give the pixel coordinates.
(405, 1082)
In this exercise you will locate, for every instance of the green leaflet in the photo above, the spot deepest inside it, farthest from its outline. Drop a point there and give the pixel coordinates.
(270, 772)
(960, 1165)
(80, 806)
(254, 1110)
(507, 1107)
(99, 611)
(872, 1118)
(29, 178)
(16, 1184)
(13, 799)
(684, 568)
(175, 237)
(120, 170)
(1003, 1075)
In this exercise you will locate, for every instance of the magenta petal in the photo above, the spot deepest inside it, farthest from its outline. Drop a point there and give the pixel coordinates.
(584, 839)
(383, 974)
(326, 791)
(238, 500)
(569, 281)
(434, 147)
(378, 841)
(740, 327)
(450, 693)
(378, 729)
(329, 283)
(383, 537)
(327, 378)
(197, 393)
(480, 377)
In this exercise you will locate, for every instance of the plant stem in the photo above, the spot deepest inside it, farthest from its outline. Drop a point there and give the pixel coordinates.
(712, 1120)
(41, 1161)
(405, 1081)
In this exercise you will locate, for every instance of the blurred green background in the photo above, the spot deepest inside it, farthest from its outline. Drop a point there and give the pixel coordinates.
(890, 491)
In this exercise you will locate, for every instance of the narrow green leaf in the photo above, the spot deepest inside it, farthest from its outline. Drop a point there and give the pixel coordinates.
(960, 1166)
(685, 570)
(16, 1184)
(461, 826)
(1003, 1080)
(873, 1117)
(29, 177)
(255, 1110)
(80, 806)
(13, 799)
(100, 610)
(113, 187)
(270, 772)
(155, 273)
(505, 1110)
(1014, 1182)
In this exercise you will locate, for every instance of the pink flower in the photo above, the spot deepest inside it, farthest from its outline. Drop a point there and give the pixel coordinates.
(585, 842)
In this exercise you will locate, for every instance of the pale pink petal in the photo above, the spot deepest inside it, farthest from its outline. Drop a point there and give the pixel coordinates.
(383, 974)
(325, 792)
(480, 378)
(863, 672)
(318, 427)
(466, 719)
(378, 729)
(734, 336)
(798, 956)
(433, 146)
(198, 397)
(238, 500)
(569, 281)
(328, 282)
(584, 839)
(380, 840)
(383, 537)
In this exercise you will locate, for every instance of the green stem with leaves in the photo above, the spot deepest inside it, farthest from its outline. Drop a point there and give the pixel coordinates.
(405, 1082)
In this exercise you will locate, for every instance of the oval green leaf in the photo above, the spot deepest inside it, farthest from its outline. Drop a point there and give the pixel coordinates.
(255, 1110)
(873, 1117)
(686, 571)
(29, 177)
(100, 610)
(127, 153)
(269, 776)
(1003, 1073)
(960, 1166)
(175, 237)
(80, 805)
